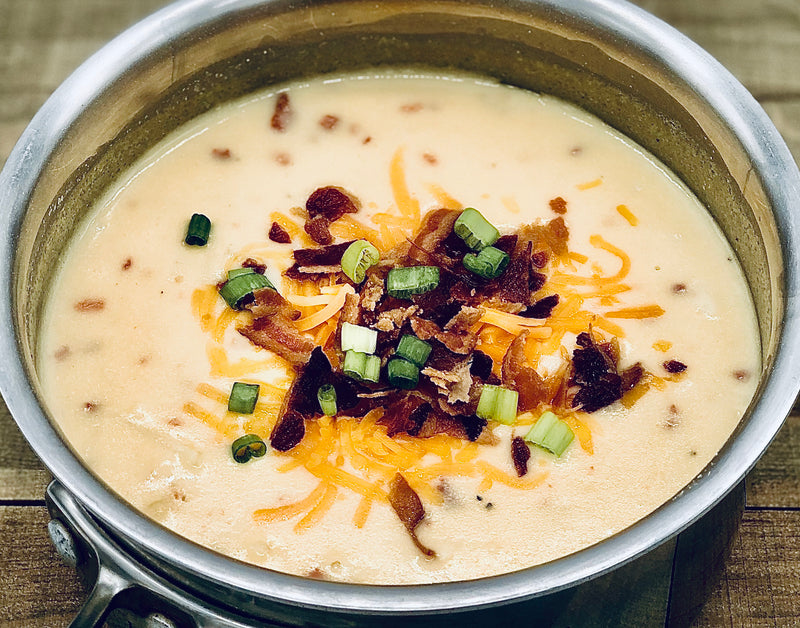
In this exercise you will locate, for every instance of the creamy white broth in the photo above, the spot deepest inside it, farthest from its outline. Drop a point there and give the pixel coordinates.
(118, 378)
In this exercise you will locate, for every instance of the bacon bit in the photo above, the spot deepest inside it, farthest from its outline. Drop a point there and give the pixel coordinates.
(367, 139)
(516, 286)
(628, 215)
(411, 107)
(324, 206)
(328, 122)
(543, 308)
(126, 265)
(631, 376)
(255, 265)
(288, 431)
(641, 311)
(408, 506)
(520, 454)
(558, 205)
(284, 159)
(576, 151)
(430, 159)
(90, 305)
(175, 422)
(673, 418)
(62, 353)
(481, 365)
(282, 114)
(588, 185)
(679, 288)
(279, 234)
(406, 416)
(91, 406)
(221, 153)
(318, 229)
(317, 574)
(741, 375)
(525, 380)
(674, 366)
(595, 374)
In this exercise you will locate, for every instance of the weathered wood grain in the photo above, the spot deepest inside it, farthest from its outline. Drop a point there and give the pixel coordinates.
(775, 481)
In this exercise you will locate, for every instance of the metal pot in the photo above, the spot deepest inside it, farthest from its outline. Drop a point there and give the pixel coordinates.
(613, 59)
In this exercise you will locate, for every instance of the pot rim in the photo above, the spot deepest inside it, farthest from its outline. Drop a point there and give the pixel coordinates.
(652, 39)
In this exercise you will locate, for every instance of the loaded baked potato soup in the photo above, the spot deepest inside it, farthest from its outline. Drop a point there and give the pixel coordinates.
(398, 328)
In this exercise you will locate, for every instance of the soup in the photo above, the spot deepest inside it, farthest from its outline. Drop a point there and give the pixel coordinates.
(580, 367)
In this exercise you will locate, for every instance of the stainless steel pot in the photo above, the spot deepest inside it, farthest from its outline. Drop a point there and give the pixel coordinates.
(607, 56)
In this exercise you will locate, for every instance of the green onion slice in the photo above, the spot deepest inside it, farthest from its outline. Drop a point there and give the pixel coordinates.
(498, 404)
(489, 263)
(326, 395)
(402, 374)
(550, 433)
(372, 369)
(406, 281)
(358, 338)
(241, 285)
(358, 258)
(248, 446)
(198, 230)
(235, 272)
(355, 364)
(414, 350)
(243, 398)
(475, 230)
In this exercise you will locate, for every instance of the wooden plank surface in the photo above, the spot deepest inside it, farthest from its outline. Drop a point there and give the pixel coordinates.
(41, 41)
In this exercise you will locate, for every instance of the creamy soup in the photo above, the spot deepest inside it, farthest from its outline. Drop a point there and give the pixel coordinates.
(139, 351)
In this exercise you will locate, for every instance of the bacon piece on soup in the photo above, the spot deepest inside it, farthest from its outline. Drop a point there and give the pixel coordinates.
(406, 416)
(596, 375)
(328, 122)
(282, 113)
(520, 454)
(279, 234)
(272, 327)
(674, 366)
(288, 431)
(543, 308)
(558, 205)
(332, 203)
(515, 287)
(408, 506)
(525, 380)
(90, 305)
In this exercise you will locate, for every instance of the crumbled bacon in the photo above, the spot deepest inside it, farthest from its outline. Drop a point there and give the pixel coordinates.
(520, 454)
(595, 374)
(257, 266)
(90, 305)
(272, 327)
(288, 431)
(542, 308)
(405, 416)
(631, 376)
(459, 340)
(539, 259)
(516, 279)
(558, 205)
(674, 366)
(330, 255)
(126, 265)
(282, 113)
(532, 389)
(408, 506)
(331, 202)
(481, 365)
(279, 234)
(221, 153)
(328, 122)
(318, 228)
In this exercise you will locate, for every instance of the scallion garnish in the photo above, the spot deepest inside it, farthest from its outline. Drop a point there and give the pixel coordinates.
(404, 282)
(475, 230)
(413, 349)
(550, 433)
(248, 446)
(402, 374)
(235, 272)
(243, 398)
(241, 285)
(198, 230)
(358, 258)
(489, 263)
(498, 404)
(358, 338)
(326, 395)
(372, 369)
(355, 364)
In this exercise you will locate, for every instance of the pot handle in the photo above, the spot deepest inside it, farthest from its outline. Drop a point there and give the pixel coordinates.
(120, 582)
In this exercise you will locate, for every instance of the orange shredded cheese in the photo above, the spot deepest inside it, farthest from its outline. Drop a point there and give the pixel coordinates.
(662, 345)
(335, 304)
(443, 198)
(407, 204)
(641, 311)
(628, 215)
(588, 185)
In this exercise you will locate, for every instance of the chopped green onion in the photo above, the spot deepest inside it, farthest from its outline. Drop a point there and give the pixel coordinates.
(489, 263)
(239, 286)
(498, 404)
(358, 338)
(414, 350)
(372, 369)
(235, 272)
(355, 364)
(358, 258)
(406, 281)
(198, 230)
(402, 374)
(243, 398)
(326, 395)
(475, 230)
(550, 433)
(248, 446)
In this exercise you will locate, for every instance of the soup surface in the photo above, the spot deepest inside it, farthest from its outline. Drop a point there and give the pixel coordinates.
(632, 300)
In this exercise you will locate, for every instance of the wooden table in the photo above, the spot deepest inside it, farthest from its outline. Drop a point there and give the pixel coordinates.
(42, 41)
